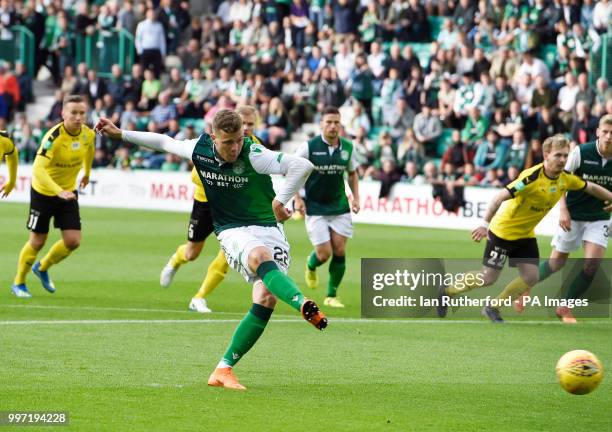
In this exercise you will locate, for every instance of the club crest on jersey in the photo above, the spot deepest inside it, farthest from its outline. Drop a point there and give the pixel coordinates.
(238, 167)
(344, 154)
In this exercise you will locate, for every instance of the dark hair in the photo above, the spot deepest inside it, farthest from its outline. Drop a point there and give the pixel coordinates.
(330, 110)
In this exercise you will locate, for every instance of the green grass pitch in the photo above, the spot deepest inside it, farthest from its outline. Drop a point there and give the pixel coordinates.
(119, 353)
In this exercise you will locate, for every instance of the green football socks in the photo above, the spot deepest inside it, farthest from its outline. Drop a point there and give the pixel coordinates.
(337, 267)
(247, 333)
(281, 285)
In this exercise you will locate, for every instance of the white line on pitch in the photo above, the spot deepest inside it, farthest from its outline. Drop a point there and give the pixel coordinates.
(332, 321)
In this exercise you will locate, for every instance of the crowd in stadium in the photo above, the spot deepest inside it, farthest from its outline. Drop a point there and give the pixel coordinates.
(428, 90)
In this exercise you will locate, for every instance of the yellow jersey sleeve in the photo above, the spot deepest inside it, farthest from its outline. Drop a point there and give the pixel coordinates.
(59, 159)
(200, 194)
(574, 182)
(8, 150)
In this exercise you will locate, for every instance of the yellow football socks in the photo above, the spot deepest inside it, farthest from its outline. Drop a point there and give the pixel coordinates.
(179, 258)
(214, 275)
(57, 253)
(514, 289)
(27, 256)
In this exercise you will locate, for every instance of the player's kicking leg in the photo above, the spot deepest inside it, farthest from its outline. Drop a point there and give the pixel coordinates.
(27, 257)
(71, 239)
(249, 251)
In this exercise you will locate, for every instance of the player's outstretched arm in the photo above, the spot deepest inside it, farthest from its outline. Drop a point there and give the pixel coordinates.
(151, 140)
(296, 169)
(480, 232)
(600, 193)
(12, 159)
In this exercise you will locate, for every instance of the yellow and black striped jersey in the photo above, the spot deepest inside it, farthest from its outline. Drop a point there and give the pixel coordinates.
(60, 157)
(533, 195)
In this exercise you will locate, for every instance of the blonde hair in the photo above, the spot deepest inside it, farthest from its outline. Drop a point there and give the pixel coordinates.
(557, 141)
(243, 110)
(606, 120)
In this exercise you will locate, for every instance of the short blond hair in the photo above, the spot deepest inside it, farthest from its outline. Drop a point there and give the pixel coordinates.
(606, 120)
(227, 121)
(557, 141)
(243, 110)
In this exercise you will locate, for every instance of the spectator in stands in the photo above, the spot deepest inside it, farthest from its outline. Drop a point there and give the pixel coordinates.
(584, 124)
(603, 93)
(543, 96)
(162, 114)
(69, 81)
(411, 174)
(410, 149)
(276, 121)
(548, 124)
(26, 88)
(468, 96)
(446, 102)
(398, 119)
(534, 156)
(503, 93)
(490, 154)
(126, 18)
(566, 99)
(133, 85)
(354, 118)
(458, 154)
(585, 92)
(517, 152)
(361, 83)
(427, 128)
(96, 86)
(464, 15)
(475, 128)
(448, 37)
(151, 87)
(129, 115)
(602, 16)
(116, 84)
(150, 42)
(55, 113)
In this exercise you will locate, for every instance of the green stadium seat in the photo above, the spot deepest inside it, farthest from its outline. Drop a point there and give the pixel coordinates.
(422, 51)
(548, 53)
(142, 123)
(435, 25)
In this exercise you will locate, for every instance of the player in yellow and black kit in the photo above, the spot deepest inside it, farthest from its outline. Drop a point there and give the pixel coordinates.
(8, 151)
(65, 149)
(200, 227)
(511, 233)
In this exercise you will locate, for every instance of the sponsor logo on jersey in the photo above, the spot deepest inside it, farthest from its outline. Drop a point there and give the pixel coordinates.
(204, 159)
(320, 153)
(76, 145)
(238, 167)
